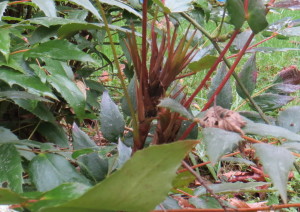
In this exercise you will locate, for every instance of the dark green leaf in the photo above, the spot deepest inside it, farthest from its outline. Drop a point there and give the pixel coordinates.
(218, 142)
(162, 6)
(282, 88)
(124, 153)
(229, 187)
(52, 21)
(43, 34)
(183, 179)
(204, 202)
(31, 83)
(7, 136)
(5, 43)
(270, 101)
(238, 160)
(132, 94)
(54, 133)
(3, 6)
(175, 106)
(86, 4)
(248, 77)
(55, 67)
(204, 63)
(48, 171)
(135, 194)
(185, 124)
(240, 41)
(224, 98)
(169, 203)
(257, 16)
(22, 95)
(254, 116)
(269, 130)
(8, 197)
(121, 5)
(236, 13)
(11, 167)
(277, 163)
(92, 164)
(59, 50)
(290, 119)
(81, 152)
(112, 121)
(47, 6)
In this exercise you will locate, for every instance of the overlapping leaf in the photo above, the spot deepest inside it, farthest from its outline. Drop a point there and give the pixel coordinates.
(47, 6)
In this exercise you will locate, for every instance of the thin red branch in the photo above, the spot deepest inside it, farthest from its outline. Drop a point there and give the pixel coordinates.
(18, 2)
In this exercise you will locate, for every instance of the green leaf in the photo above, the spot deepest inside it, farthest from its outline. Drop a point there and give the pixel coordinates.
(42, 34)
(47, 6)
(248, 77)
(240, 41)
(238, 160)
(282, 88)
(92, 164)
(121, 5)
(224, 98)
(218, 142)
(290, 119)
(257, 16)
(8, 197)
(183, 179)
(156, 165)
(292, 31)
(59, 50)
(269, 130)
(229, 187)
(270, 101)
(86, 4)
(11, 167)
(5, 43)
(7, 136)
(37, 108)
(48, 171)
(132, 95)
(204, 202)
(22, 95)
(169, 203)
(178, 6)
(175, 106)
(277, 163)
(81, 152)
(236, 12)
(52, 21)
(204, 63)
(162, 6)
(54, 133)
(3, 6)
(112, 121)
(31, 83)
(124, 153)
(70, 92)
(271, 49)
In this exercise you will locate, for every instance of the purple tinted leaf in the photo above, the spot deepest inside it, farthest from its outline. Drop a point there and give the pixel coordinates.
(289, 75)
(289, 4)
(257, 16)
(248, 77)
(270, 101)
(282, 88)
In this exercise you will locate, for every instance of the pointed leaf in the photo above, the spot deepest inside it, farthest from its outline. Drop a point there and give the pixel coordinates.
(289, 75)
(290, 119)
(270, 101)
(121, 5)
(124, 153)
(204, 202)
(240, 40)
(218, 142)
(132, 95)
(86, 4)
(31, 83)
(204, 63)
(11, 167)
(257, 16)
(5, 43)
(47, 6)
(54, 133)
(135, 194)
(22, 95)
(52, 21)
(112, 121)
(282, 88)
(269, 130)
(3, 6)
(8, 197)
(236, 12)
(6, 136)
(229, 187)
(59, 50)
(277, 163)
(224, 98)
(95, 167)
(248, 77)
(50, 170)
(175, 106)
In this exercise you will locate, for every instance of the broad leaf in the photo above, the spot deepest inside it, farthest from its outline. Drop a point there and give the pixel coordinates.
(175, 106)
(22, 95)
(6, 136)
(169, 203)
(290, 75)
(177, 6)
(218, 142)
(31, 83)
(8, 197)
(86, 4)
(277, 163)
(248, 77)
(92, 164)
(70, 92)
(236, 13)
(135, 194)
(59, 50)
(124, 153)
(257, 16)
(121, 5)
(3, 6)
(52, 21)
(132, 94)
(240, 40)
(293, 31)
(254, 116)
(47, 6)
(269, 130)
(290, 119)
(11, 167)
(282, 88)
(42, 34)
(5, 42)
(224, 98)
(270, 101)
(112, 121)
(229, 187)
(204, 202)
(48, 171)
(204, 63)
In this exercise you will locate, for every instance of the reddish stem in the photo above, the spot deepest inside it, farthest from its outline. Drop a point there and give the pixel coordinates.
(17, 2)
(231, 70)
(246, 4)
